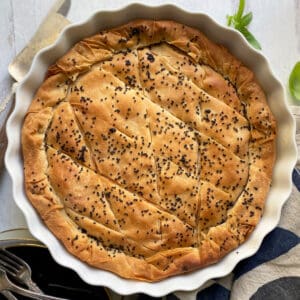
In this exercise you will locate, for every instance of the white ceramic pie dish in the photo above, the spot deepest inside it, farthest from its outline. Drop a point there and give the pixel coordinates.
(286, 147)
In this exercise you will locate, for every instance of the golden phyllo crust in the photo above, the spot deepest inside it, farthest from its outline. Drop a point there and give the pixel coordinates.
(148, 150)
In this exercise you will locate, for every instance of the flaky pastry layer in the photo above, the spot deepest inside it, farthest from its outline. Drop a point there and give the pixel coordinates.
(148, 150)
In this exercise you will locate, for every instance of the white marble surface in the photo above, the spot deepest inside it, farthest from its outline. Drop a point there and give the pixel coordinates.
(276, 24)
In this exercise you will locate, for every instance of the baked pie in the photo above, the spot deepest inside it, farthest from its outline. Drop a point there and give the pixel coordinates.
(149, 150)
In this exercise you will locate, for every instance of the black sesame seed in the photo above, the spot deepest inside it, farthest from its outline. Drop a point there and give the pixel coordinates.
(150, 57)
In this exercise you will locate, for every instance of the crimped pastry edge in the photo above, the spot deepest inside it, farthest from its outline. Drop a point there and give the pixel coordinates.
(243, 80)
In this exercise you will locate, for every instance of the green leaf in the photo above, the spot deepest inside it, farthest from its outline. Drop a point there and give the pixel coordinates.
(246, 19)
(250, 38)
(240, 22)
(294, 81)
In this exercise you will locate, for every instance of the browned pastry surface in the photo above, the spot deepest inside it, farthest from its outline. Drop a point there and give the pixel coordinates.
(148, 150)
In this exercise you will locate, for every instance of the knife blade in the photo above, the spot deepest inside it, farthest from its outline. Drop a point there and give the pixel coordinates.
(46, 34)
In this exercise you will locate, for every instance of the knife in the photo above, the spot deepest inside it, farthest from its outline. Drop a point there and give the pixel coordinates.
(46, 34)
